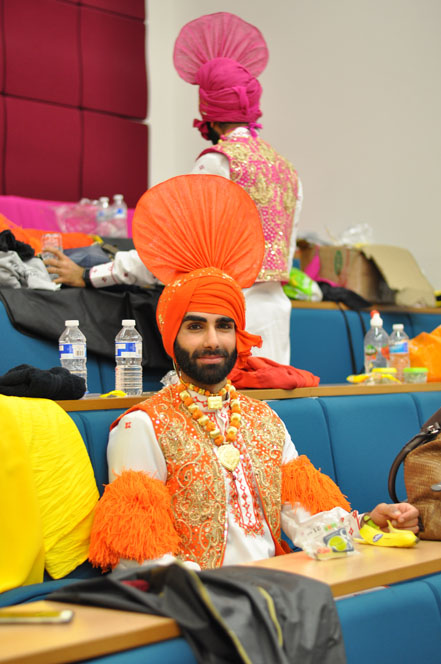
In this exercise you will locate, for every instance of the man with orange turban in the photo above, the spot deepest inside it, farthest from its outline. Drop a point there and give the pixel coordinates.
(199, 471)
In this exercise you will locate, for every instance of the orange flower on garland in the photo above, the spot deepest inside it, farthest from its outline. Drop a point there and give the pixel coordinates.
(204, 421)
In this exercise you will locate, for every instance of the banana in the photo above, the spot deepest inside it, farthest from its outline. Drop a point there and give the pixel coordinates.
(371, 534)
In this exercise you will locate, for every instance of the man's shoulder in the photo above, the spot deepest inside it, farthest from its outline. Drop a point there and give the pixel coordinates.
(250, 404)
(167, 394)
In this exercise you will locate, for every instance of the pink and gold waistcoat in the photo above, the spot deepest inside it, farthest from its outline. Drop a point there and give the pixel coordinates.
(272, 183)
(195, 476)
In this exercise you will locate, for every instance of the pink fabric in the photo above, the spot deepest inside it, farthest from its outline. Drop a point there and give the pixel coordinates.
(218, 35)
(39, 214)
(272, 184)
(228, 92)
(223, 55)
(313, 270)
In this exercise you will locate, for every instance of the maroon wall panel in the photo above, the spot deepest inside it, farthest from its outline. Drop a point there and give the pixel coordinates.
(58, 58)
(2, 44)
(42, 150)
(42, 50)
(134, 8)
(115, 157)
(114, 77)
(2, 144)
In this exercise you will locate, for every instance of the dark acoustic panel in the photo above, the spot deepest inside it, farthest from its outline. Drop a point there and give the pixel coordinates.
(113, 59)
(115, 157)
(2, 49)
(2, 144)
(134, 8)
(42, 59)
(43, 150)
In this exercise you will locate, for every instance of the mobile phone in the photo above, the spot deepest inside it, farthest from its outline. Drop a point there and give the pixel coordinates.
(9, 616)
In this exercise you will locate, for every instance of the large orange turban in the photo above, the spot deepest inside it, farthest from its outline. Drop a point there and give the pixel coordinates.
(202, 236)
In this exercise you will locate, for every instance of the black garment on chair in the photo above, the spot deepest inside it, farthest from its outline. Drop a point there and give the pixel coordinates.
(56, 383)
(9, 243)
(42, 314)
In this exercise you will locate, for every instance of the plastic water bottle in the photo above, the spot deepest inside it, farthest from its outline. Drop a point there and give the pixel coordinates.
(399, 349)
(376, 345)
(128, 359)
(73, 351)
(103, 215)
(119, 216)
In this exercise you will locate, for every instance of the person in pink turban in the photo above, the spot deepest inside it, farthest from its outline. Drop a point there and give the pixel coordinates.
(224, 55)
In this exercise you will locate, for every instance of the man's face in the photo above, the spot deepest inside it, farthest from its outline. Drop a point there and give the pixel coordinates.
(205, 349)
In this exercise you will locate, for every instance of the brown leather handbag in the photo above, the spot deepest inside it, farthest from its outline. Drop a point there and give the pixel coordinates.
(422, 476)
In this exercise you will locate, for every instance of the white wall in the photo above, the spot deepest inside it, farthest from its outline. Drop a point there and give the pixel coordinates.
(352, 97)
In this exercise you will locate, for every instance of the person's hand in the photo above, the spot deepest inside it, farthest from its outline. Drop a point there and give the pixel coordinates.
(69, 273)
(401, 515)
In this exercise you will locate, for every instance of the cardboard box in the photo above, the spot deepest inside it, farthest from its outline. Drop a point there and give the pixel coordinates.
(380, 273)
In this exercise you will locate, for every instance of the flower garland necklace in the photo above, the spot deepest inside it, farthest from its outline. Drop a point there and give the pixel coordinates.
(228, 454)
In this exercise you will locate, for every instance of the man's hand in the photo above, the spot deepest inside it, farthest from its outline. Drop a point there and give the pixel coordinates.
(69, 273)
(401, 515)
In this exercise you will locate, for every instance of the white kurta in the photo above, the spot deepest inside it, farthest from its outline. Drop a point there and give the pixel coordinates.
(133, 446)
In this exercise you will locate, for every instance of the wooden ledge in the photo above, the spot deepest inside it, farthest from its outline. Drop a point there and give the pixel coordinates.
(94, 402)
(390, 308)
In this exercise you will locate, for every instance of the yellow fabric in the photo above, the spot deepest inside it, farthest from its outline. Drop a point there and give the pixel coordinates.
(63, 476)
(21, 550)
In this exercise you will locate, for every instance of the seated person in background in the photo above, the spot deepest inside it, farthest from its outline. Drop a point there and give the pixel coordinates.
(229, 95)
(198, 471)
(126, 269)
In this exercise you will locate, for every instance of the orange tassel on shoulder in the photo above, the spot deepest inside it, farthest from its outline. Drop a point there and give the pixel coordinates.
(316, 492)
(133, 519)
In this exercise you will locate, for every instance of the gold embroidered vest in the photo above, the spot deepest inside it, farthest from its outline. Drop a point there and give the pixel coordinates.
(272, 183)
(195, 476)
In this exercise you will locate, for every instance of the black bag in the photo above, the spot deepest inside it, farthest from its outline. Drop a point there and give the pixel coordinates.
(230, 615)
(422, 476)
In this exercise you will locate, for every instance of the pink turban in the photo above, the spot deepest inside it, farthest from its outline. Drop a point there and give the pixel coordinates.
(223, 55)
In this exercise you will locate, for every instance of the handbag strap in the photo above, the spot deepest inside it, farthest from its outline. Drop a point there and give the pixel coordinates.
(426, 434)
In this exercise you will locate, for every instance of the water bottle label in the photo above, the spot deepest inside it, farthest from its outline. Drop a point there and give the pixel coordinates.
(399, 347)
(128, 349)
(69, 351)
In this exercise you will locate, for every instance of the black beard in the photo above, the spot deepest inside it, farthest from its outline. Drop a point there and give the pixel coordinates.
(211, 374)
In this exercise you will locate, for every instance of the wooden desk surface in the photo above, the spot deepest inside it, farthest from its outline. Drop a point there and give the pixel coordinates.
(95, 631)
(375, 566)
(92, 632)
(95, 402)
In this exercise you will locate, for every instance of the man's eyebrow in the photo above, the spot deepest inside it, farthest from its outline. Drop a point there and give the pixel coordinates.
(192, 317)
(201, 319)
(224, 319)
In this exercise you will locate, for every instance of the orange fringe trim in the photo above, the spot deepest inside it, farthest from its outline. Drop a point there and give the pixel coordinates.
(316, 492)
(133, 519)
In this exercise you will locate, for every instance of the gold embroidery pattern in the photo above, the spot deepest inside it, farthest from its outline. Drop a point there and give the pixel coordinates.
(195, 484)
(272, 183)
(265, 438)
(195, 477)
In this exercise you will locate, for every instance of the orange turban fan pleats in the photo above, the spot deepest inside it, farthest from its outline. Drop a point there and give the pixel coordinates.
(201, 235)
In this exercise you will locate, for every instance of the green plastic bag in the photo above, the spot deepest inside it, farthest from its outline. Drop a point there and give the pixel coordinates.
(302, 287)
